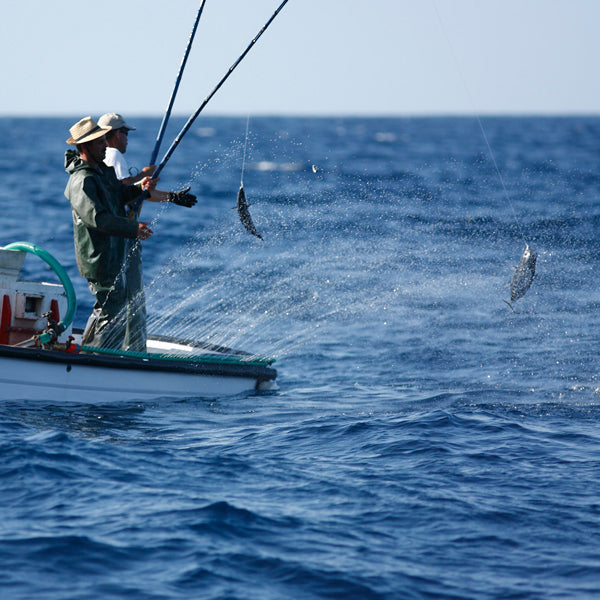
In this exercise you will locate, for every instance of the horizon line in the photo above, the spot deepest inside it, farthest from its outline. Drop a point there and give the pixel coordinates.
(325, 114)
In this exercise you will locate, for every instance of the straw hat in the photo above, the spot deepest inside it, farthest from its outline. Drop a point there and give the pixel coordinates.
(114, 121)
(86, 130)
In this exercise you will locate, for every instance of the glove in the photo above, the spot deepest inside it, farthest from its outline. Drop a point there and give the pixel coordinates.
(182, 198)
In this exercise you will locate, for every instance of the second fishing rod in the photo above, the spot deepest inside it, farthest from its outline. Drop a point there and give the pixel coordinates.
(194, 116)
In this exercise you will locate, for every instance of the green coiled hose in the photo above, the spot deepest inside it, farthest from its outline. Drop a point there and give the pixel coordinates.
(60, 272)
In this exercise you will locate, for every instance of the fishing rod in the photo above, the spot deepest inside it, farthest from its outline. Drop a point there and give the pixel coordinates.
(165, 120)
(163, 126)
(191, 120)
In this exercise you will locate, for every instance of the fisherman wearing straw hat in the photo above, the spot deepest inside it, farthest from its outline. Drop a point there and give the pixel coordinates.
(100, 227)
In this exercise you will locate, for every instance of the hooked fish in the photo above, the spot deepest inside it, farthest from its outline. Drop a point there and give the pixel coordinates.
(243, 212)
(523, 276)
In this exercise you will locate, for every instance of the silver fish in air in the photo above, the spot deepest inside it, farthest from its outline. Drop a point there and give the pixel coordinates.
(244, 214)
(523, 276)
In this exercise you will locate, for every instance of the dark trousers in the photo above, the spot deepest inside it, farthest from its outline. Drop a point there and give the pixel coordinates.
(135, 327)
(118, 320)
(106, 326)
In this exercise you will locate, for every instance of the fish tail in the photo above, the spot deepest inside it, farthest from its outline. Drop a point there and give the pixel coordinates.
(511, 306)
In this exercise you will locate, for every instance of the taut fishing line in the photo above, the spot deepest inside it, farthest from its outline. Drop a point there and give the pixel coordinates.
(245, 147)
(242, 204)
(478, 118)
(525, 271)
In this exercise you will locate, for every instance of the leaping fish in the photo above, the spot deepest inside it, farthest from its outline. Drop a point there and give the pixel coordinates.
(244, 213)
(523, 276)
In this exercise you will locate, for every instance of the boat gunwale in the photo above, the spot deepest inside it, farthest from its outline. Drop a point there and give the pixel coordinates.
(160, 364)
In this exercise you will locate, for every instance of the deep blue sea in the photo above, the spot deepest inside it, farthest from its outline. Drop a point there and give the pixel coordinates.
(425, 442)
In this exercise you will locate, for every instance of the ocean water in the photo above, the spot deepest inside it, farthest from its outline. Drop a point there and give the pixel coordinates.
(425, 440)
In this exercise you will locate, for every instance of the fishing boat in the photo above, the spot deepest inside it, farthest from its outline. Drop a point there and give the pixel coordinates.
(42, 357)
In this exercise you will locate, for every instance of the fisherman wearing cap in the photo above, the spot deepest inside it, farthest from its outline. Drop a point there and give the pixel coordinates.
(100, 226)
(117, 140)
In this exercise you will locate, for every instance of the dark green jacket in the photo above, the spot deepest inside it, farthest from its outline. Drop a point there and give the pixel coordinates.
(100, 225)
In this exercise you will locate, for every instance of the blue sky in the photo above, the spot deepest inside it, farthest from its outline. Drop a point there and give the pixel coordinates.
(329, 57)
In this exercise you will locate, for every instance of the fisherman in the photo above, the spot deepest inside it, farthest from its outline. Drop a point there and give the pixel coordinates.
(100, 226)
(117, 140)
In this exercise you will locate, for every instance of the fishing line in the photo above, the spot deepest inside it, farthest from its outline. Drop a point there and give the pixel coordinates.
(478, 118)
(245, 146)
(242, 204)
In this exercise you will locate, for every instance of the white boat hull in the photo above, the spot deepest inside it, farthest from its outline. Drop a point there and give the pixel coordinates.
(42, 358)
(36, 374)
